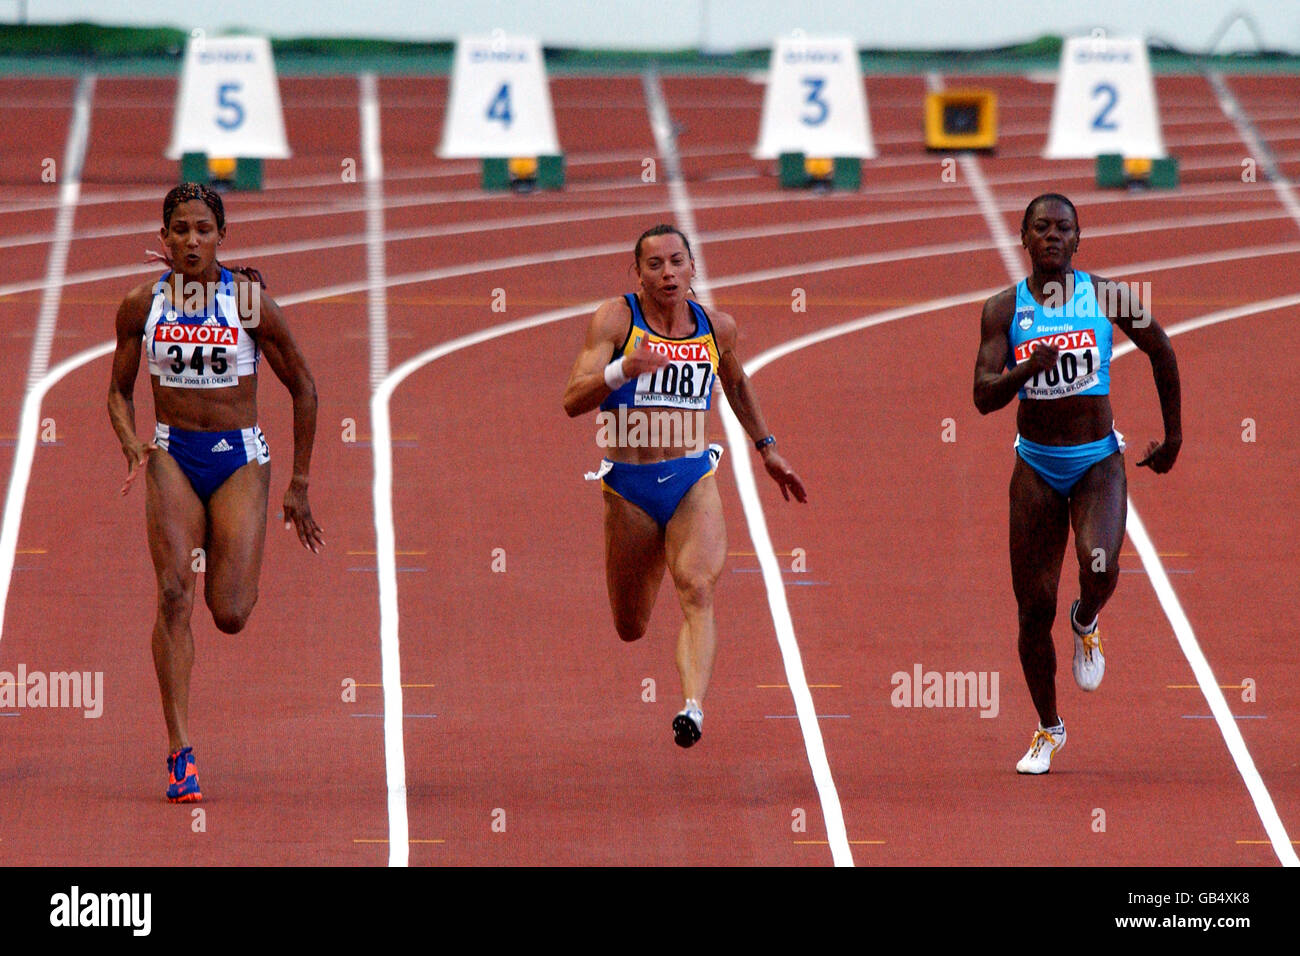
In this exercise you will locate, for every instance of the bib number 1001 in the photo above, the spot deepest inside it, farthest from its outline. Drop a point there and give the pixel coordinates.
(1066, 369)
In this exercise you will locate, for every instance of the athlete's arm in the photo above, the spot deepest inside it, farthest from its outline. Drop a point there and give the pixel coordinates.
(744, 402)
(587, 388)
(131, 317)
(1126, 309)
(995, 384)
(282, 354)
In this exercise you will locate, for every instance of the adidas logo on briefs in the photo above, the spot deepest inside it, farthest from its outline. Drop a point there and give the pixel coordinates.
(223, 445)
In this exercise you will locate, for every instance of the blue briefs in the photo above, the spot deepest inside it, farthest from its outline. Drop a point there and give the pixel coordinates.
(209, 458)
(658, 488)
(1061, 466)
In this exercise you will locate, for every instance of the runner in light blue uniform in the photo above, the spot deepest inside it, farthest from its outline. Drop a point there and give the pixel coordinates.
(1048, 341)
(1082, 334)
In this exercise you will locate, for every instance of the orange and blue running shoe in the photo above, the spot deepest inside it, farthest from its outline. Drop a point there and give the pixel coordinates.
(183, 777)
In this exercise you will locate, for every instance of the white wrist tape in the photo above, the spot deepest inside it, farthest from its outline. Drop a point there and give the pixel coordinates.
(614, 376)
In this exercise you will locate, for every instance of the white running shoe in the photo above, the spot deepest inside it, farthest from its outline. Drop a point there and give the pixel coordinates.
(1046, 742)
(688, 725)
(1089, 662)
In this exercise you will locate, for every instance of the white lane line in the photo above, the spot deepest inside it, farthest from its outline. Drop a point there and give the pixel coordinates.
(1191, 648)
(74, 156)
(832, 813)
(1256, 144)
(372, 162)
(29, 425)
(386, 548)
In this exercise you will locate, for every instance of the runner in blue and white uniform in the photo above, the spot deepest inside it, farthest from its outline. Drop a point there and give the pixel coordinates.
(650, 362)
(204, 329)
(1048, 341)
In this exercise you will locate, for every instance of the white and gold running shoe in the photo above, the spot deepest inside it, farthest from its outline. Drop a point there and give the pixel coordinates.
(1089, 662)
(1047, 741)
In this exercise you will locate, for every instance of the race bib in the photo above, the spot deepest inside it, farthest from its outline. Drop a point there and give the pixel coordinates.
(1076, 366)
(196, 356)
(684, 383)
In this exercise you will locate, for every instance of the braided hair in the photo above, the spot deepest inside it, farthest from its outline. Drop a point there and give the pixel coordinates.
(212, 199)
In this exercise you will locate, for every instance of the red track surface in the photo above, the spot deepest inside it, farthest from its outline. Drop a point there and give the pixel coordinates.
(539, 709)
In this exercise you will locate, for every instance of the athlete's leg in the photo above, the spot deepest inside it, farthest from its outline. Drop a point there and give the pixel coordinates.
(696, 547)
(174, 517)
(1040, 525)
(634, 565)
(236, 536)
(1098, 510)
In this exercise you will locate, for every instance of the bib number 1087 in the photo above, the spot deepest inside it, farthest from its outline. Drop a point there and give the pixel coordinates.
(680, 378)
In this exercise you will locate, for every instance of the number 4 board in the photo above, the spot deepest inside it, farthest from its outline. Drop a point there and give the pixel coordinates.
(499, 105)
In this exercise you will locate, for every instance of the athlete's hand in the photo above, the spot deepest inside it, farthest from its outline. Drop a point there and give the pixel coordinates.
(137, 456)
(297, 515)
(1161, 455)
(784, 476)
(1043, 358)
(643, 360)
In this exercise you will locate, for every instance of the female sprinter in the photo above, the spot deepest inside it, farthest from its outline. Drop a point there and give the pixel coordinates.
(649, 362)
(1048, 340)
(204, 329)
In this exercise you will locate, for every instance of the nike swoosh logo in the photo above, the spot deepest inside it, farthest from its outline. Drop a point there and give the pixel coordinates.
(665, 478)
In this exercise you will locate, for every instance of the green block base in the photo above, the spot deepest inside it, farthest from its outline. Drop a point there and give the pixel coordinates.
(790, 167)
(1164, 173)
(1110, 171)
(496, 174)
(1111, 175)
(248, 172)
(194, 168)
(847, 173)
(550, 172)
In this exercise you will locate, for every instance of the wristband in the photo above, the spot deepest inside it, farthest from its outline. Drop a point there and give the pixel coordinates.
(614, 376)
(764, 442)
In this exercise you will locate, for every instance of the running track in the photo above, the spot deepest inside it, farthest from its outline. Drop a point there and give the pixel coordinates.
(525, 737)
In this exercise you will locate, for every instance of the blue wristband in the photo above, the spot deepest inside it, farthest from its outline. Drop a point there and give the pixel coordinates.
(764, 442)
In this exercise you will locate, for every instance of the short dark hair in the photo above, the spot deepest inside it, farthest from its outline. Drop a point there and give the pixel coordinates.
(187, 191)
(663, 229)
(1047, 197)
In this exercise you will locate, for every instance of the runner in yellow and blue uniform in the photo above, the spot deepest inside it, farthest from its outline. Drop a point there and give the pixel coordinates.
(1048, 341)
(649, 363)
